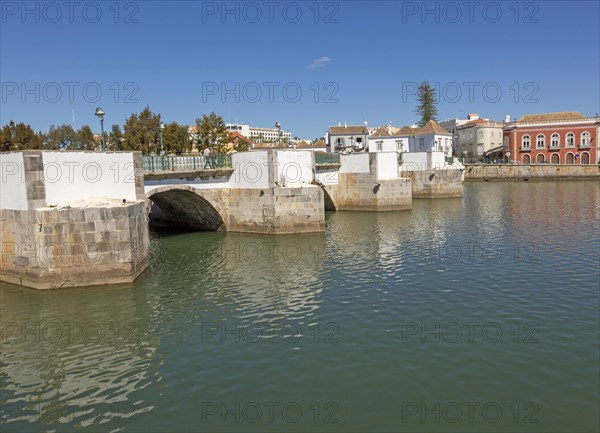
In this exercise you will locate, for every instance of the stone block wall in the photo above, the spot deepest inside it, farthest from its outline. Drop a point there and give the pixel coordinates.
(51, 248)
(518, 172)
(363, 192)
(276, 210)
(435, 183)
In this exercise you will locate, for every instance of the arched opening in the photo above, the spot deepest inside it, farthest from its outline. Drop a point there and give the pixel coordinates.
(569, 158)
(526, 159)
(181, 209)
(540, 158)
(585, 158)
(555, 159)
(328, 200)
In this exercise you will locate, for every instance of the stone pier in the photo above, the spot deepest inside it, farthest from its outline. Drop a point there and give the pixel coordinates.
(367, 182)
(70, 219)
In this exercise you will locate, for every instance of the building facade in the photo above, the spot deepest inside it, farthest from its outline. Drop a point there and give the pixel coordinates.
(272, 135)
(346, 138)
(555, 138)
(480, 140)
(388, 139)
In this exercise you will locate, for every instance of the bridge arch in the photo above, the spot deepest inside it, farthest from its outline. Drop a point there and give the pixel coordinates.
(187, 208)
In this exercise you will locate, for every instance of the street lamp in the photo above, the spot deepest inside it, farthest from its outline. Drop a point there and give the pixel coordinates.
(278, 127)
(161, 128)
(100, 115)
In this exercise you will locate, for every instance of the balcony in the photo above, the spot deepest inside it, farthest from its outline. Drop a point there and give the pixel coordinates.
(525, 149)
(585, 145)
(555, 147)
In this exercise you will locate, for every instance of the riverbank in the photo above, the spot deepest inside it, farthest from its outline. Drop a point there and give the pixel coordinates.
(537, 172)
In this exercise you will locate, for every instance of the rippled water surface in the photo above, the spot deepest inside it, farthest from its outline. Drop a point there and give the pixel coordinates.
(472, 314)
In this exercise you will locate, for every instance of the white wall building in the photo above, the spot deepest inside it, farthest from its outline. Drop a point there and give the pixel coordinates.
(260, 134)
(346, 138)
(388, 139)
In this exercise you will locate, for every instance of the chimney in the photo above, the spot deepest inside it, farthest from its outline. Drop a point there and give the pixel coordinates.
(345, 124)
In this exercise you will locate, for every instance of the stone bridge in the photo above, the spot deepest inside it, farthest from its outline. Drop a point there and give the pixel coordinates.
(80, 218)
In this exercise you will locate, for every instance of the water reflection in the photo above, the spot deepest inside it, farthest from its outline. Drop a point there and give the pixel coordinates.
(75, 357)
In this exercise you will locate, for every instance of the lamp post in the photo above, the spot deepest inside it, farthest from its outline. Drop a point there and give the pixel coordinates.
(100, 115)
(278, 127)
(161, 128)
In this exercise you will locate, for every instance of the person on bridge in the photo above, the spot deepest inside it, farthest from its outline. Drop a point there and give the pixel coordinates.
(208, 158)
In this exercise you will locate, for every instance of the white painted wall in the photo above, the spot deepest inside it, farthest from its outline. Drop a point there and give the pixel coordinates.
(251, 170)
(417, 161)
(328, 177)
(387, 165)
(13, 193)
(414, 161)
(358, 163)
(294, 167)
(388, 144)
(71, 176)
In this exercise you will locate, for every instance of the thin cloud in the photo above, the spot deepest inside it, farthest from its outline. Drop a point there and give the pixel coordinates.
(321, 62)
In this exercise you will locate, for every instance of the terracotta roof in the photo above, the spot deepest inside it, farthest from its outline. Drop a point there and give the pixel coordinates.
(432, 127)
(382, 132)
(348, 130)
(233, 135)
(562, 115)
(319, 143)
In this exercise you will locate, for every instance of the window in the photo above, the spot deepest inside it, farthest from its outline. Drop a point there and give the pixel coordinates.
(379, 146)
(540, 141)
(570, 140)
(480, 134)
(555, 140)
(540, 158)
(569, 158)
(398, 144)
(585, 139)
(526, 159)
(421, 143)
(585, 158)
(555, 158)
(526, 142)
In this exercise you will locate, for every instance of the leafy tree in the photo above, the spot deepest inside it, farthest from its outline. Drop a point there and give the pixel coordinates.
(211, 133)
(19, 136)
(84, 139)
(61, 137)
(176, 138)
(141, 131)
(426, 108)
(115, 137)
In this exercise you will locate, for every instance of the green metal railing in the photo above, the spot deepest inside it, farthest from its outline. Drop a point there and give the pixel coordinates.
(184, 163)
(330, 158)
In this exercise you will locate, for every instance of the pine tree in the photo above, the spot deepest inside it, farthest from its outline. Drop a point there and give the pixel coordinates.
(426, 108)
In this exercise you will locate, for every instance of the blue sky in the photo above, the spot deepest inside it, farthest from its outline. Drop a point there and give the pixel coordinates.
(185, 58)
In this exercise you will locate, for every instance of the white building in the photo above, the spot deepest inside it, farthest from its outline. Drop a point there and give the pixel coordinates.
(388, 139)
(260, 134)
(346, 138)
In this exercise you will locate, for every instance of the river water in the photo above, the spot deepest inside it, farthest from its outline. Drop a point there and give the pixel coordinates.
(473, 314)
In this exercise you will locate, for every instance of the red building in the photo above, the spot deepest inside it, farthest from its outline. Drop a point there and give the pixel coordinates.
(555, 138)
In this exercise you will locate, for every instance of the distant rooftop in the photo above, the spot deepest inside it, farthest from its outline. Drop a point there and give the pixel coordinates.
(561, 115)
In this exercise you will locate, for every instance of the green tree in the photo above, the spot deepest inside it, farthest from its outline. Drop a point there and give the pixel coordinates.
(61, 137)
(426, 108)
(176, 138)
(19, 136)
(211, 133)
(84, 139)
(141, 131)
(115, 138)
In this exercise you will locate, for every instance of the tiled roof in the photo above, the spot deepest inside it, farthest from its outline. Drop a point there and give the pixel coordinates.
(348, 130)
(562, 115)
(432, 127)
(382, 132)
